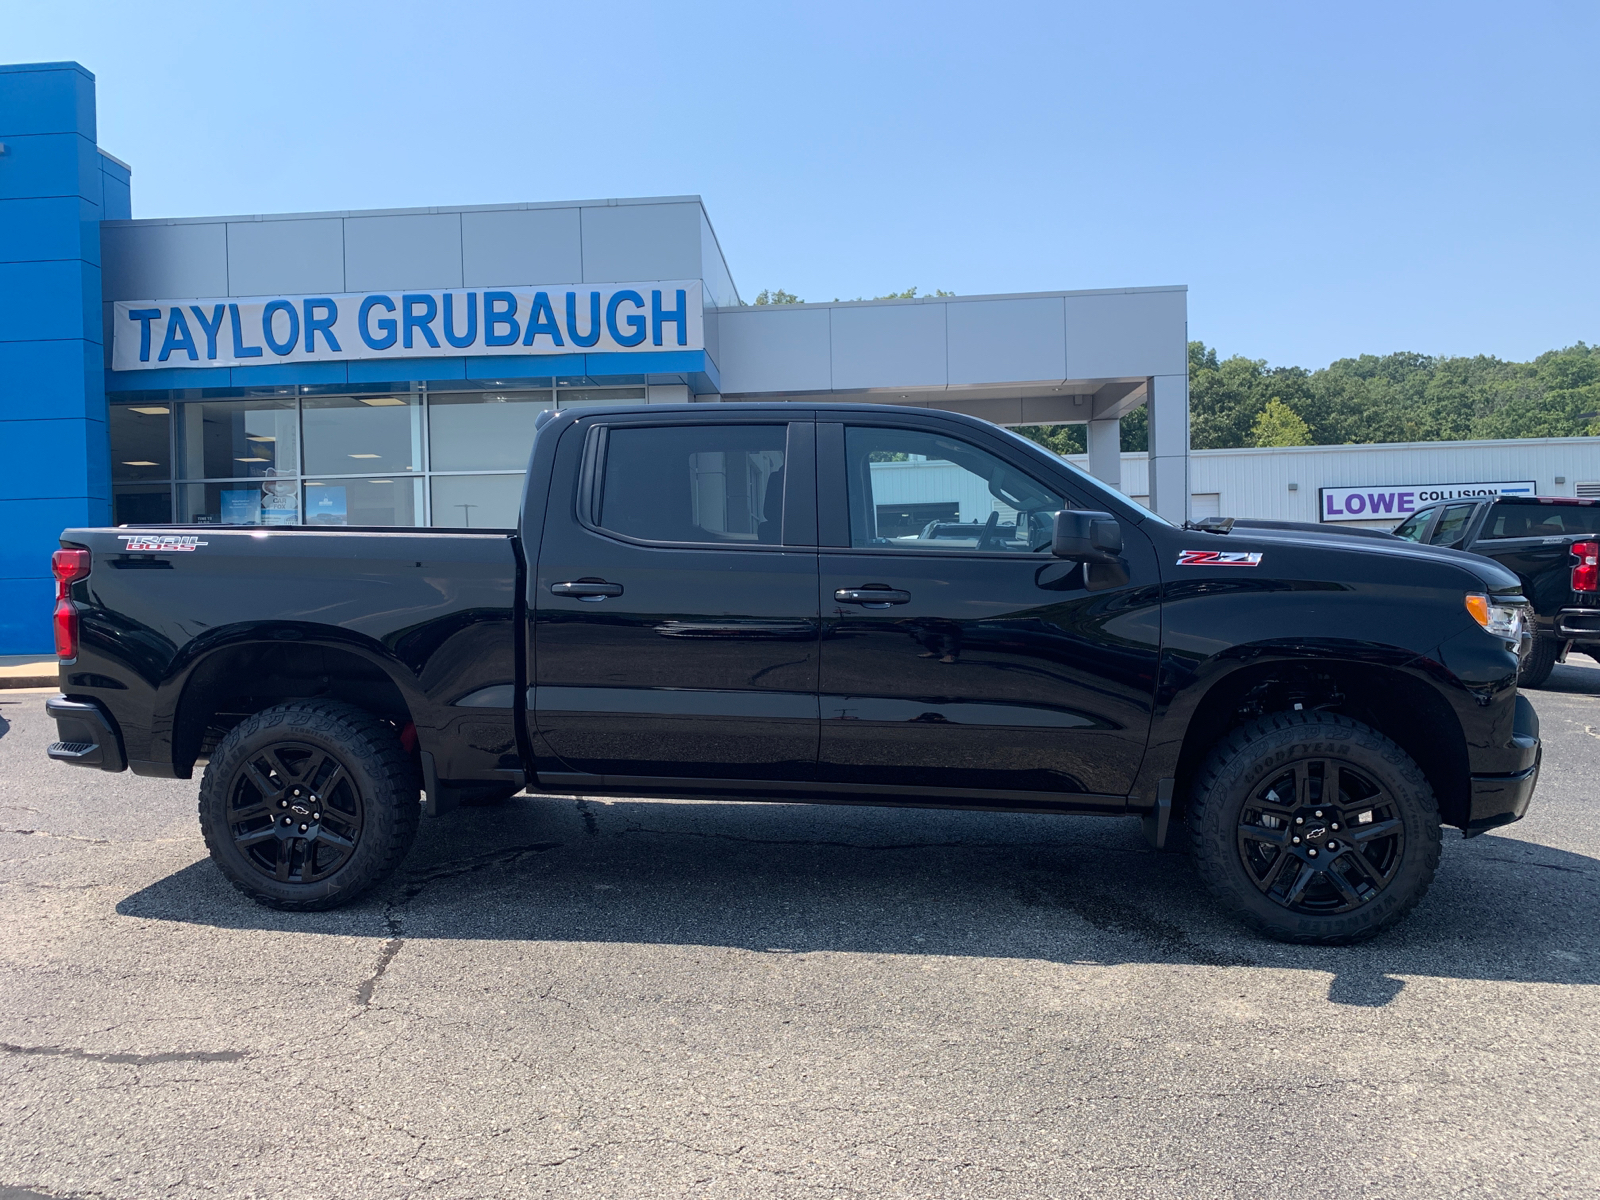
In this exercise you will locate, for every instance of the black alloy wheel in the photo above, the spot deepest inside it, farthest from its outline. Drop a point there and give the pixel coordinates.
(308, 804)
(1312, 827)
(294, 813)
(1322, 837)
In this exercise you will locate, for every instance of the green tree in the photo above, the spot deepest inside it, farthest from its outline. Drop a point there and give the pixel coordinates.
(1059, 439)
(777, 296)
(1279, 425)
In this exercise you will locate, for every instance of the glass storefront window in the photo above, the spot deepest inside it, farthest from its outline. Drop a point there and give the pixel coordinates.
(483, 431)
(477, 501)
(237, 439)
(218, 460)
(141, 442)
(368, 434)
(141, 504)
(363, 502)
(240, 502)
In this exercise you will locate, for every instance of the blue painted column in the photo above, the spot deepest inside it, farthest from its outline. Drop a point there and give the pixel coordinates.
(54, 453)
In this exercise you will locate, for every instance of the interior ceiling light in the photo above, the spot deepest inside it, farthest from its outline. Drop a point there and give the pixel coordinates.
(366, 456)
(380, 481)
(252, 460)
(381, 401)
(260, 437)
(141, 463)
(152, 411)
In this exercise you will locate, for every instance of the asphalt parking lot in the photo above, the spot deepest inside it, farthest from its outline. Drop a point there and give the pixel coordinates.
(567, 997)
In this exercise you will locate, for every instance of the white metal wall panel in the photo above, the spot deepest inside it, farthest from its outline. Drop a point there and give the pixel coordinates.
(285, 257)
(160, 262)
(891, 345)
(521, 246)
(1117, 335)
(1255, 482)
(405, 250)
(775, 349)
(640, 241)
(714, 273)
(1001, 341)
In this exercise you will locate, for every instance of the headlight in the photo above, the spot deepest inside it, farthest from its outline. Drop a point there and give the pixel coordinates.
(1502, 620)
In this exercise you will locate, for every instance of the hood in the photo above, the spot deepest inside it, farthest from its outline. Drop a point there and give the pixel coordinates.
(1493, 576)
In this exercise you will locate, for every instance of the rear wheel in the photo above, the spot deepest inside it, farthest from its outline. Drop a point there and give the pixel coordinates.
(308, 804)
(1314, 828)
(1541, 660)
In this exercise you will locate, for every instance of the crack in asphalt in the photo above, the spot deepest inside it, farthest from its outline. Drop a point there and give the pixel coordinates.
(65, 837)
(121, 1059)
(393, 910)
(590, 825)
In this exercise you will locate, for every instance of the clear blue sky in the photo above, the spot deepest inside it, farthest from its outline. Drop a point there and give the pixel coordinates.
(1328, 179)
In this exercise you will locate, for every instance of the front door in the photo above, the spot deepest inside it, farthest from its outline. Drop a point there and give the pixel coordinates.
(958, 655)
(675, 603)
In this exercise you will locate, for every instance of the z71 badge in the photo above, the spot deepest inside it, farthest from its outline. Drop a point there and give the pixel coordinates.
(1219, 558)
(161, 542)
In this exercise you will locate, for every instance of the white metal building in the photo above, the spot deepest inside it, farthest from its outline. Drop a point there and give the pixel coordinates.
(1287, 483)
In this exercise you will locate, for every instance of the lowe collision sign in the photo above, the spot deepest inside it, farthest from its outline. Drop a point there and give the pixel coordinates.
(545, 319)
(1385, 503)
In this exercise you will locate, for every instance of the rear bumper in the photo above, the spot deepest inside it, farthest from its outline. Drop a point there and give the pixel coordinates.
(88, 735)
(1578, 624)
(1501, 799)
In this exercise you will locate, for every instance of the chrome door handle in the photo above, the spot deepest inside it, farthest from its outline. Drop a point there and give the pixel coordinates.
(593, 590)
(871, 597)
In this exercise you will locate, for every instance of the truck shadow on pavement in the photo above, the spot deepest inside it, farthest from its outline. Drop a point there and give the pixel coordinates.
(792, 879)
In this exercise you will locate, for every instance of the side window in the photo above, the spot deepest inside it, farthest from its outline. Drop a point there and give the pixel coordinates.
(1412, 528)
(1452, 524)
(913, 490)
(694, 483)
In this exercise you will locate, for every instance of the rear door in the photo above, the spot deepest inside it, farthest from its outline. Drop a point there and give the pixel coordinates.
(675, 603)
(987, 665)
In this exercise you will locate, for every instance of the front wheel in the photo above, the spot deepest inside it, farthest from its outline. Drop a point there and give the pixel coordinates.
(1541, 660)
(308, 804)
(1314, 828)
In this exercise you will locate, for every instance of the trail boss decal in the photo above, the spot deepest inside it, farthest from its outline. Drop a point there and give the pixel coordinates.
(1219, 558)
(162, 542)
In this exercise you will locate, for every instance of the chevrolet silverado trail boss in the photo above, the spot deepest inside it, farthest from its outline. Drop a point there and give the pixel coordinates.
(842, 604)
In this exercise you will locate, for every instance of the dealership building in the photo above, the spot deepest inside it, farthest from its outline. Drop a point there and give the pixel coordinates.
(384, 368)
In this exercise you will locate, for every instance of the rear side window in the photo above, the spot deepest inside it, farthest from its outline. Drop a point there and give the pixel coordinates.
(1452, 524)
(1542, 520)
(694, 483)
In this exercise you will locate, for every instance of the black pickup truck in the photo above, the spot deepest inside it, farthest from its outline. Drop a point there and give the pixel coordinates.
(1551, 543)
(842, 604)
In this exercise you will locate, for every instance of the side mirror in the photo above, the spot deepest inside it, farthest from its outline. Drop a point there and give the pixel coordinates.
(1088, 537)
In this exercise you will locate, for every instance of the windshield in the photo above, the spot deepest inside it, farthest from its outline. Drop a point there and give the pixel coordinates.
(1093, 483)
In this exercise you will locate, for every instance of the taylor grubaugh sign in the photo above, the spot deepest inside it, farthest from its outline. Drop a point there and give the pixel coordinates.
(546, 319)
(1385, 503)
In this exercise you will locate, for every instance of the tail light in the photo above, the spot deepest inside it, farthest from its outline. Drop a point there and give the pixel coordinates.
(68, 566)
(1586, 575)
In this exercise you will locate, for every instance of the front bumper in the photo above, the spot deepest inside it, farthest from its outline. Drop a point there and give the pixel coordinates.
(1501, 799)
(88, 735)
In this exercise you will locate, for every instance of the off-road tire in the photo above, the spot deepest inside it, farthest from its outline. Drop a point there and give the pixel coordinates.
(1541, 660)
(378, 770)
(1259, 756)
